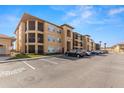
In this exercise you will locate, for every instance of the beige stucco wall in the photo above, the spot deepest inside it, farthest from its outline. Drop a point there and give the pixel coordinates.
(87, 44)
(20, 37)
(118, 49)
(94, 46)
(53, 34)
(17, 40)
(65, 38)
(78, 40)
(7, 43)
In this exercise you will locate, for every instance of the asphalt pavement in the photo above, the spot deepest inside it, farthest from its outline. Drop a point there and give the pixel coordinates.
(105, 71)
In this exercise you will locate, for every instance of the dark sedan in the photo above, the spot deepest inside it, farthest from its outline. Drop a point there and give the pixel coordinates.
(75, 53)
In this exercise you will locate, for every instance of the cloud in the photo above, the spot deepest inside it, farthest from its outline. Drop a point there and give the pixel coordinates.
(116, 11)
(82, 16)
(9, 19)
(79, 14)
(86, 14)
(96, 22)
(59, 7)
(83, 11)
(71, 14)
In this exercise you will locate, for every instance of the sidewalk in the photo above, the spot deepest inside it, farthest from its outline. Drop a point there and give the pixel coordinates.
(23, 59)
(3, 58)
(26, 59)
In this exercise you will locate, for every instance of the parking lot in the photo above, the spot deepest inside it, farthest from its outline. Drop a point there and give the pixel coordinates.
(60, 71)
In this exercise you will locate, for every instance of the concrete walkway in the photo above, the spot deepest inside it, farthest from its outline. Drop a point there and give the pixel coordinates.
(4, 58)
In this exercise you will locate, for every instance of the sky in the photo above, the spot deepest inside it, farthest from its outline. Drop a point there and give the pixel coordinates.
(102, 23)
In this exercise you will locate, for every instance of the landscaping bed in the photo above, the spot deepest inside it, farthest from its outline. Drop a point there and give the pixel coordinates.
(21, 56)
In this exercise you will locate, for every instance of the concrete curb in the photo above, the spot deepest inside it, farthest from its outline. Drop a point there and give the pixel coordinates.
(24, 59)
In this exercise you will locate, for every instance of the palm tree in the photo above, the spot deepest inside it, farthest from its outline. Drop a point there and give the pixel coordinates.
(105, 45)
(100, 42)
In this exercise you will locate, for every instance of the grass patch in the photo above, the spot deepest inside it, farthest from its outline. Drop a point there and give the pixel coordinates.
(20, 56)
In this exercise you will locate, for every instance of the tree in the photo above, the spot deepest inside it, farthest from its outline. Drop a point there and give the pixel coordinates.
(105, 45)
(100, 42)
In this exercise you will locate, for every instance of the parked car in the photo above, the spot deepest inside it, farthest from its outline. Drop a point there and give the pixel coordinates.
(95, 52)
(105, 52)
(88, 53)
(98, 52)
(75, 53)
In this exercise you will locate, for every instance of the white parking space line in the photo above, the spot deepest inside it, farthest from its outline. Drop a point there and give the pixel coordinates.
(52, 62)
(11, 72)
(29, 65)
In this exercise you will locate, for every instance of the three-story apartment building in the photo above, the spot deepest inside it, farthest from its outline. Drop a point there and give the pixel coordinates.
(77, 41)
(35, 35)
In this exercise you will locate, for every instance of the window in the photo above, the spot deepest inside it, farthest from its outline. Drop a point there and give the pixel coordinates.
(31, 37)
(40, 26)
(81, 38)
(54, 39)
(68, 33)
(50, 49)
(76, 36)
(31, 25)
(25, 38)
(58, 49)
(25, 48)
(53, 28)
(40, 49)
(81, 43)
(59, 40)
(68, 46)
(31, 48)
(59, 31)
(75, 43)
(50, 38)
(50, 28)
(1, 45)
(40, 38)
(54, 49)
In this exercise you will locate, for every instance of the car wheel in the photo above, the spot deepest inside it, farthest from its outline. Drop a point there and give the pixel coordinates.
(66, 55)
(78, 56)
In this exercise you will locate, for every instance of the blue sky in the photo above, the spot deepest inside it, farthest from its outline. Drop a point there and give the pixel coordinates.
(103, 23)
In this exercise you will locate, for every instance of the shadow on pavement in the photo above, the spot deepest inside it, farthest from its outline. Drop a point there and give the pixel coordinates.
(75, 58)
(71, 58)
(102, 55)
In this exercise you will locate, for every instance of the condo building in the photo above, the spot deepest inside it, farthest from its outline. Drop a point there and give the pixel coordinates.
(93, 45)
(6, 44)
(97, 46)
(77, 41)
(87, 42)
(35, 35)
(118, 48)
